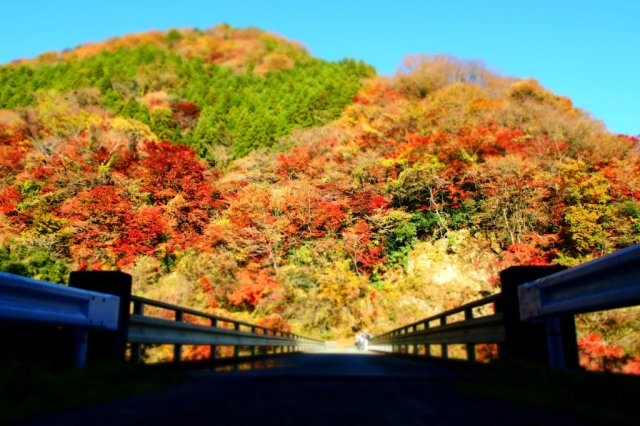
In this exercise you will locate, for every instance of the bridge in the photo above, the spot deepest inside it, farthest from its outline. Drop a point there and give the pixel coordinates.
(318, 389)
(273, 377)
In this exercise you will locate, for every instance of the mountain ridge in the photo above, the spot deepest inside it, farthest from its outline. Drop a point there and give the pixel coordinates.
(214, 44)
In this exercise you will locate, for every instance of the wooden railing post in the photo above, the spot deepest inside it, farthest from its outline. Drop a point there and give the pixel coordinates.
(213, 348)
(253, 348)
(414, 350)
(136, 348)
(471, 347)
(443, 347)
(264, 350)
(236, 348)
(221, 332)
(177, 348)
(427, 346)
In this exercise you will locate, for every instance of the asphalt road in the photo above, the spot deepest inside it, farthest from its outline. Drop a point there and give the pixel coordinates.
(316, 389)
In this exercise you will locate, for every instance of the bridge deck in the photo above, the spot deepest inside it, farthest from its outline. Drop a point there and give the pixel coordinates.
(317, 389)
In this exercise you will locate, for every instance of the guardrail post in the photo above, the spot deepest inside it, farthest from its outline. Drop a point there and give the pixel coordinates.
(562, 342)
(80, 340)
(107, 344)
(522, 340)
(177, 348)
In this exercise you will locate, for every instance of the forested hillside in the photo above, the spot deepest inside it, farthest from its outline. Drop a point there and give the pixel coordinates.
(223, 92)
(230, 171)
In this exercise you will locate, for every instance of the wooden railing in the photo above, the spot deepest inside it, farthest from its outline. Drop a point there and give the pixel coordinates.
(99, 309)
(191, 327)
(479, 322)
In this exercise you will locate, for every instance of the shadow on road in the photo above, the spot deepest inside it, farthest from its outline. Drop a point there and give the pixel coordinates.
(339, 388)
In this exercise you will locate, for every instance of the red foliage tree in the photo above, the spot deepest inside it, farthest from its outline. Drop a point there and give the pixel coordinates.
(9, 198)
(328, 216)
(597, 355)
(176, 180)
(101, 216)
(275, 321)
(253, 287)
(13, 147)
(144, 232)
(185, 114)
(367, 202)
(364, 253)
(293, 164)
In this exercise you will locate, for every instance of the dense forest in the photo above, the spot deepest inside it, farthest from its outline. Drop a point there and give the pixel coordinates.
(230, 171)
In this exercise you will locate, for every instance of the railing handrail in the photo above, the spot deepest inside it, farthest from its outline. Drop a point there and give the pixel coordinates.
(276, 333)
(476, 303)
(469, 331)
(144, 329)
(190, 311)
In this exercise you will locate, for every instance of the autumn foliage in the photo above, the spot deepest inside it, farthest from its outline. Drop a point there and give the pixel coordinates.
(230, 171)
(596, 355)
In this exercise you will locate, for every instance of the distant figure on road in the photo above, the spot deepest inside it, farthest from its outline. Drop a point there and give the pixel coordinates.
(362, 341)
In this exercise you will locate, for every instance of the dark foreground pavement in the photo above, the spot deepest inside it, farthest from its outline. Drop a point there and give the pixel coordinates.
(316, 389)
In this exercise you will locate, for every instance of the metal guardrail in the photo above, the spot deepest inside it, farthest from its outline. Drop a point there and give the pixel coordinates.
(610, 282)
(25, 299)
(535, 315)
(474, 328)
(217, 331)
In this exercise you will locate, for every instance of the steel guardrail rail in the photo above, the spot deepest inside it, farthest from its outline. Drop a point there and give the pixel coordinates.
(470, 331)
(25, 299)
(219, 331)
(609, 282)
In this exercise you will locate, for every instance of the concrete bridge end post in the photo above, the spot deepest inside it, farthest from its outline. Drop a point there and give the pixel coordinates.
(104, 344)
(531, 341)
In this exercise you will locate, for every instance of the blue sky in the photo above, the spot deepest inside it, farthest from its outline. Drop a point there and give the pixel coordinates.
(588, 50)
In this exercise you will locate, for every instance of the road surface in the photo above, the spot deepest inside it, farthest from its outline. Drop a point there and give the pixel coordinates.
(324, 389)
